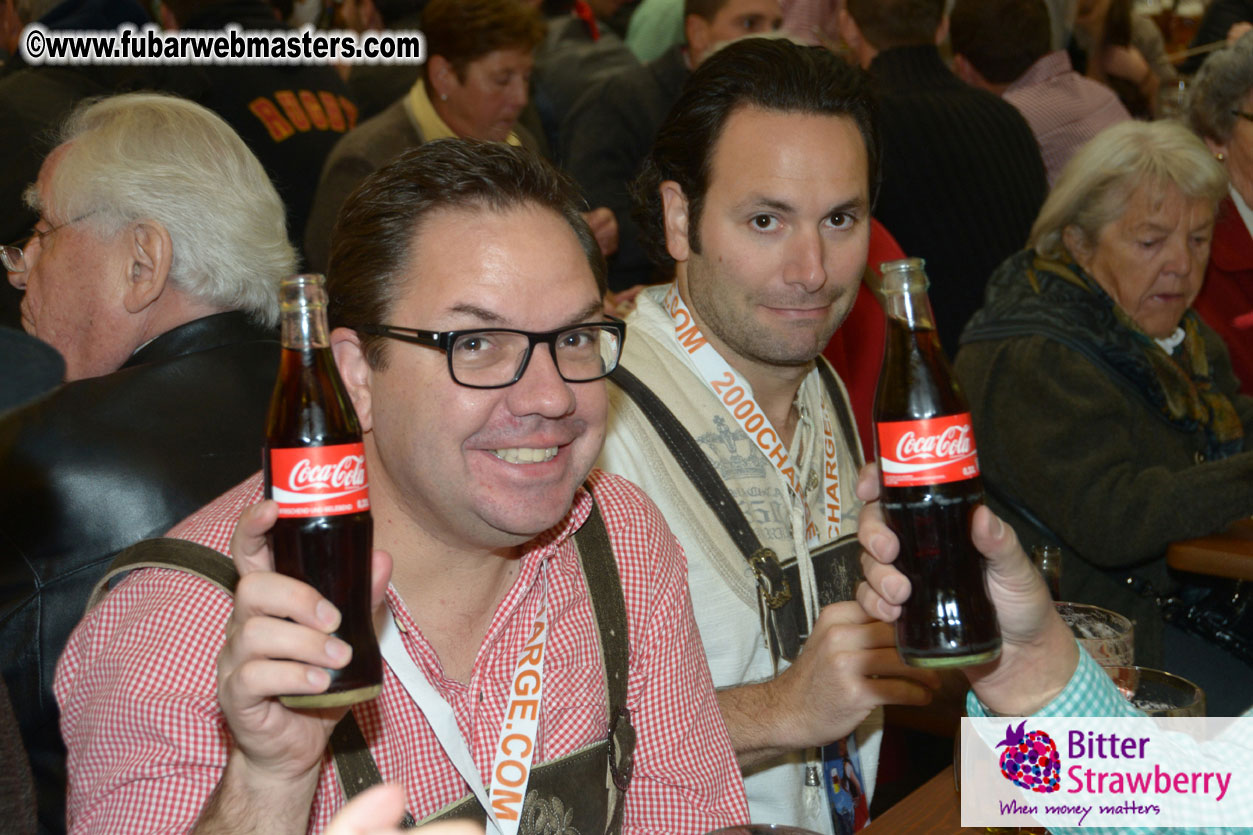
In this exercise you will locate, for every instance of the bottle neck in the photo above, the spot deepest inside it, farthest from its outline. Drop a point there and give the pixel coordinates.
(304, 328)
(913, 309)
(302, 306)
(905, 294)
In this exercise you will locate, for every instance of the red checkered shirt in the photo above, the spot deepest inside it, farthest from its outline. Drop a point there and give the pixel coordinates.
(1063, 108)
(148, 743)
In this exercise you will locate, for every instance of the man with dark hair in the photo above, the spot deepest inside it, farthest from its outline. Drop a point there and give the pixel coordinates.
(608, 132)
(962, 174)
(898, 22)
(504, 545)
(1002, 46)
(729, 418)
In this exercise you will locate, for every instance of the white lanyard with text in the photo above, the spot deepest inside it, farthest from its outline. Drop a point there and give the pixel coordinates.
(735, 395)
(511, 769)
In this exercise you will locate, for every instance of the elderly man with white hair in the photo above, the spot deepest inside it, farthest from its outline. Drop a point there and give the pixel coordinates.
(153, 270)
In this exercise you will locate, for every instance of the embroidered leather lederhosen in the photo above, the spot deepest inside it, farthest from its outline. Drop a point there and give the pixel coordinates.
(581, 792)
(837, 567)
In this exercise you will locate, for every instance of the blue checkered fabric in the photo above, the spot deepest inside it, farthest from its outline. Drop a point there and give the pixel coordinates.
(1090, 692)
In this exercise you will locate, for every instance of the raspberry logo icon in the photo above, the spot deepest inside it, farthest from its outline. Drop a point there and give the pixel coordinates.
(1030, 759)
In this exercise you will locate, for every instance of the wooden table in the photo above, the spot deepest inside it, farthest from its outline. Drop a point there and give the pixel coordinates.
(1225, 554)
(930, 808)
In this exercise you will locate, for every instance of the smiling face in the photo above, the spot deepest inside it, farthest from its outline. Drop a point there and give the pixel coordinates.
(783, 236)
(486, 103)
(1152, 259)
(485, 468)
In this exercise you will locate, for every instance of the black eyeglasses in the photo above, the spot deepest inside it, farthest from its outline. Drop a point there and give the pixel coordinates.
(492, 358)
(1243, 114)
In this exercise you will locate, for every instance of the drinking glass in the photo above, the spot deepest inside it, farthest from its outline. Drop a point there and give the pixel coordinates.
(1172, 100)
(1107, 636)
(1158, 693)
(1048, 559)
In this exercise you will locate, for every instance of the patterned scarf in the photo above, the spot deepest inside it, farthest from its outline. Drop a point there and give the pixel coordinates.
(1030, 294)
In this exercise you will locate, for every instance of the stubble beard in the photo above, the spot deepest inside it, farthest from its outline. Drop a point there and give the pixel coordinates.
(745, 335)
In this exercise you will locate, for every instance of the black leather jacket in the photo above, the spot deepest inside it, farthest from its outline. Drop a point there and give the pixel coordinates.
(98, 464)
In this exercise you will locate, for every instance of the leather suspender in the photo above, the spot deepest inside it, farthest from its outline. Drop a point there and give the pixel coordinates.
(604, 586)
(783, 613)
(353, 762)
(180, 554)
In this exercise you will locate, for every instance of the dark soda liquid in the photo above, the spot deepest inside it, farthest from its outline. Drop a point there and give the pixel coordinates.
(948, 620)
(323, 552)
(310, 407)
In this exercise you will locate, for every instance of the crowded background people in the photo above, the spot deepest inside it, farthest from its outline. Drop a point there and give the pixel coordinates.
(1002, 46)
(609, 131)
(473, 85)
(1221, 111)
(1223, 21)
(1108, 417)
(153, 271)
(290, 115)
(1118, 47)
(962, 176)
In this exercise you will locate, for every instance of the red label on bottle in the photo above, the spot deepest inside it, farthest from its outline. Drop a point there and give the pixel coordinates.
(319, 480)
(931, 451)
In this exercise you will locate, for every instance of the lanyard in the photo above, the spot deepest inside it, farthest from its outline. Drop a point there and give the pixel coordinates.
(737, 399)
(511, 768)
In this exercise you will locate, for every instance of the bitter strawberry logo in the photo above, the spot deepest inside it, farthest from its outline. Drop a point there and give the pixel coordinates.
(1030, 759)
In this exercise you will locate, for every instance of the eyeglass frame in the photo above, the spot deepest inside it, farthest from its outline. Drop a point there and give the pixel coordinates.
(444, 341)
(6, 259)
(1243, 114)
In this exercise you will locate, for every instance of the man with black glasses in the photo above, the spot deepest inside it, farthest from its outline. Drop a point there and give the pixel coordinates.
(465, 296)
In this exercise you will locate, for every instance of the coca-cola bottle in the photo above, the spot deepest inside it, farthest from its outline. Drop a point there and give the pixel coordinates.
(929, 471)
(315, 470)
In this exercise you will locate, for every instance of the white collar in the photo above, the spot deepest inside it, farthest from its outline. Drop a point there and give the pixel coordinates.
(1170, 343)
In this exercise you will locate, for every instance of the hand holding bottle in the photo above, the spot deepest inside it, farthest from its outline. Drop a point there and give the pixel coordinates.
(1039, 653)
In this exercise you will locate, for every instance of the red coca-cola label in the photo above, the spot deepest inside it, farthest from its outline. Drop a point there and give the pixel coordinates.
(319, 480)
(931, 451)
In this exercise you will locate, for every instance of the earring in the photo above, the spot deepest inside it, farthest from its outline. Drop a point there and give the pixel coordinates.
(444, 97)
(1220, 157)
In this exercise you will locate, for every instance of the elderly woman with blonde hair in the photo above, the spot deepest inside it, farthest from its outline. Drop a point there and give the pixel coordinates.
(1106, 411)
